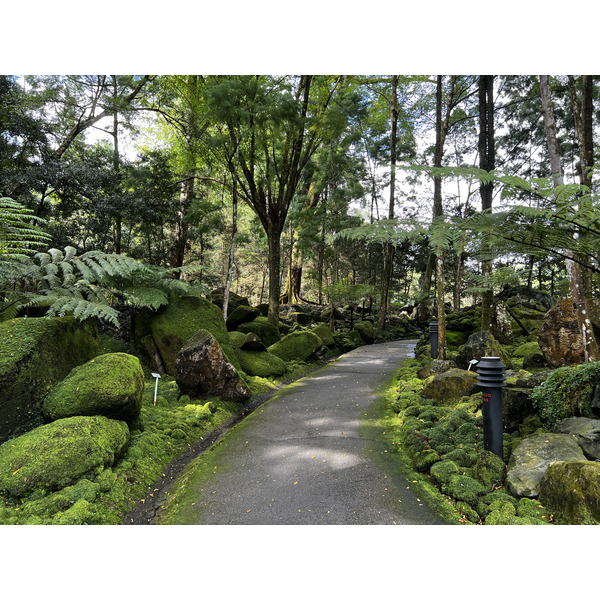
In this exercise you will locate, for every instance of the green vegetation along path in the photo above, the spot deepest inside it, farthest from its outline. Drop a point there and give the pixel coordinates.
(308, 456)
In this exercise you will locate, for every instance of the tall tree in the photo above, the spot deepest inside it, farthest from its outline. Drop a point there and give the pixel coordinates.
(277, 125)
(487, 162)
(576, 286)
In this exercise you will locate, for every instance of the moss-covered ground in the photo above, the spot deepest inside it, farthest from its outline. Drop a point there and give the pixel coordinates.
(440, 451)
(163, 433)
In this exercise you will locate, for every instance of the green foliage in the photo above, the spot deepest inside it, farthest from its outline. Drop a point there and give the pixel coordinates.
(19, 231)
(567, 392)
(90, 285)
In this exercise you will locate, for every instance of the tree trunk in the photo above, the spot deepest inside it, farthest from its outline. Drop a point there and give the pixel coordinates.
(274, 245)
(576, 287)
(440, 308)
(487, 159)
(230, 265)
(388, 251)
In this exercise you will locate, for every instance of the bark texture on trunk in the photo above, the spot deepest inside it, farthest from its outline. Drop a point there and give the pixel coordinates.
(576, 286)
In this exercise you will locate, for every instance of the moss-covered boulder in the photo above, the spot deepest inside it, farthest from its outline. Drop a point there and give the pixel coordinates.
(299, 345)
(267, 332)
(489, 470)
(324, 332)
(242, 314)
(175, 324)
(35, 354)
(479, 344)
(56, 455)
(252, 342)
(450, 385)
(366, 331)
(559, 338)
(532, 456)
(111, 385)
(571, 491)
(261, 364)
(465, 488)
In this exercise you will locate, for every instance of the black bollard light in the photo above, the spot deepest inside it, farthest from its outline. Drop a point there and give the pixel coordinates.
(433, 338)
(491, 379)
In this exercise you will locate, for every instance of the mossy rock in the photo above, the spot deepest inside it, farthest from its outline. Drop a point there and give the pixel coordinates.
(56, 455)
(489, 470)
(442, 471)
(111, 385)
(267, 332)
(35, 355)
(464, 488)
(299, 345)
(236, 339)
(175, 324)
(240, 315)
(448, 387)
(61, 501)
(571, 491)
(424, 460)
(324, 332)
(108, 345)
(261, 364)
(366, 331)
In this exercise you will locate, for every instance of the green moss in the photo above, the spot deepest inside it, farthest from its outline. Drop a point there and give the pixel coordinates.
(266, 331)
(35, 354)
(464, 488)
(300, 345)
(500, 513)
(567, 392)
(108, 345)
(489, 470)
(443, 470)
(324, 332)
(111, 385)
(261, 364)
(58, 454)
(174, 325)
(532, 509)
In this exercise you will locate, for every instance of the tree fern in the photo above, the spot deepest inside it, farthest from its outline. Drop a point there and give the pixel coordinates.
(20, 233)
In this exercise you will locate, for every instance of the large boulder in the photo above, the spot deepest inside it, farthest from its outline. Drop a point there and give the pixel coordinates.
(530, 459)
(203, 371)
(450, 385)
(571, 491)
(261, 363)
(436, 367)
(111, 385)
(56, 455)
(299, 345)
(35, 355)
(217, 296)
(267, 332)
(480, 344)
(175, 324)
(366, 331)
(559, 338)
(324, 332)
(517, 405)
(585, 431)
(242, 314)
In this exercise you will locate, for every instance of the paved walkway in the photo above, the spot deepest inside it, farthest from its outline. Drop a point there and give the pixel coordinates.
(302, 458)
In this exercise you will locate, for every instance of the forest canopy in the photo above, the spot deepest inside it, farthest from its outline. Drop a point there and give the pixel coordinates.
(395, 191)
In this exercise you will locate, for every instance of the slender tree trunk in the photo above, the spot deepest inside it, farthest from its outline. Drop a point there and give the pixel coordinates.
(388, 252)
(487, 159)
(440, 307)
(116, 165)
(274, 245)
(230, 266)
(576, 287)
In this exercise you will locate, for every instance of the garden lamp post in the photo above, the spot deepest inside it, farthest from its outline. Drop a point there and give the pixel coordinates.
(491, 380)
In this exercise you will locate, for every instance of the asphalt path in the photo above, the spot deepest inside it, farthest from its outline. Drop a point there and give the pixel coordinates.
(304, 458)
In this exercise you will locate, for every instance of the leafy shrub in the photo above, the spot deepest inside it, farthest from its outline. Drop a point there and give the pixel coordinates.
(567, 392)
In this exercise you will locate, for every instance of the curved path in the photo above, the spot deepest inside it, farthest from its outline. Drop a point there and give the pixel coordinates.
(302, 458)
